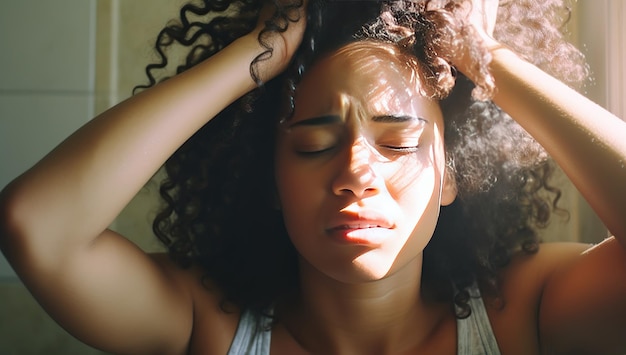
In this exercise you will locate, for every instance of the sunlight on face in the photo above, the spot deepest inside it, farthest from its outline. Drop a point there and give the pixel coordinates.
(359, 167)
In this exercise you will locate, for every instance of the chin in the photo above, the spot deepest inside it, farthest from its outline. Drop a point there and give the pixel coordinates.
(370, 267)
(377, 266)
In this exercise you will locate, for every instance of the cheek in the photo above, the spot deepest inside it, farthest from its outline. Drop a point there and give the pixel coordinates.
(417, 198)
(299, 191)
(420, 179)
(411, 178)
(419, 205)
(417, 191)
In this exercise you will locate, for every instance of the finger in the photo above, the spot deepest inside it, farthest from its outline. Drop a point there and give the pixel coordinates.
(484, 14)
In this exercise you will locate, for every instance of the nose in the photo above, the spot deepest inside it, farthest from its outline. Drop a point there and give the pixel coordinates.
(356, 175)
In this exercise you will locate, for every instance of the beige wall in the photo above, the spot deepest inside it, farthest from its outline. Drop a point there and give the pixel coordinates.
(124, 33)
(25, 329)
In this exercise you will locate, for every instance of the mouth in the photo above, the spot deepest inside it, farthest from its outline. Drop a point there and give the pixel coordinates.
(362, 235)
(365, 228)
(363, 219)
(357, 226)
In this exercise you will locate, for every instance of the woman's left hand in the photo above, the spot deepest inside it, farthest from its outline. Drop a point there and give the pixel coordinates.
(483, 17)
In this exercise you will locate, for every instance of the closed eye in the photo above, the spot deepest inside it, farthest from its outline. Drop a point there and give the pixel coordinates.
(402, 149)
(312, 153)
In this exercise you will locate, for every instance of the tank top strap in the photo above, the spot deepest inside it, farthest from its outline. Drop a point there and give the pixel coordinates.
(253, 336)
(474, 333)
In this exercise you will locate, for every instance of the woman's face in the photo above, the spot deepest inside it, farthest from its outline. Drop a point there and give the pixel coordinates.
(360, 166)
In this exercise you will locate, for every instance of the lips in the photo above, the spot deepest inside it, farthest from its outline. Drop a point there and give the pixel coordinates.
(361, 228)
(360, 220)
(357, 226)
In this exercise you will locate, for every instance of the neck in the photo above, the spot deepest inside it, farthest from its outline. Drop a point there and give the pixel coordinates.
(383, 316)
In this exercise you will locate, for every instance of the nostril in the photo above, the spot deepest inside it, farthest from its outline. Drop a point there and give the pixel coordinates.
(359, 193)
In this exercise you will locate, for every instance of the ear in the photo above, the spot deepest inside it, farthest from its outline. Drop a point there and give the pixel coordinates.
(448, 188)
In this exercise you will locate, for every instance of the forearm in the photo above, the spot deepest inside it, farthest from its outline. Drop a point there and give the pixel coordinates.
(77, 190)
(588, 142)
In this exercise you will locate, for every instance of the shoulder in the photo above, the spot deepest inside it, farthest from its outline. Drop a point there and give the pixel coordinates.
(566, 296)
(582, 305)
(523, 281)
(536, 269)
(514, 314)
(214, 325)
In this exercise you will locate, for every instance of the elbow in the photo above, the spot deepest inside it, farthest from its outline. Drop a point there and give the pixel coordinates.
(14, 225)
(8, 218)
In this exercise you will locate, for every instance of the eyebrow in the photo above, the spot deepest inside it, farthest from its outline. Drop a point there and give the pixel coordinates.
(397, 119)
(317, 121)
(332, 119)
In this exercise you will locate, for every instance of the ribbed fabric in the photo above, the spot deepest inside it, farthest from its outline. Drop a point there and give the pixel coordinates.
(253, 337)
(474, 333)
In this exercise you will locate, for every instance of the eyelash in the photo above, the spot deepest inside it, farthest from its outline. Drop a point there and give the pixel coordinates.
(314, 152)
(395, 149)
(405, 150)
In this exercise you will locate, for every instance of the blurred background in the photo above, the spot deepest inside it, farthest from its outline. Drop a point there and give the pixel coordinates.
(57, 71)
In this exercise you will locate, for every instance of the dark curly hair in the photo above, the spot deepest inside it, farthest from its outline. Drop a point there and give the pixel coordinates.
(219, 191)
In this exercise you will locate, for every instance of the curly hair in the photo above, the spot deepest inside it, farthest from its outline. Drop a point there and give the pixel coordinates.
(219, 191)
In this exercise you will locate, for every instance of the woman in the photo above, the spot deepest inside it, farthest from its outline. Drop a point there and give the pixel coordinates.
(308, 211)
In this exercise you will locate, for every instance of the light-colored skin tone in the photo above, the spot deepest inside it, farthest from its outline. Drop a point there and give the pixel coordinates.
(110, 294)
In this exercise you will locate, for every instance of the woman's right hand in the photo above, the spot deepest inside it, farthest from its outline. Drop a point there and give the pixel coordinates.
(283, 44)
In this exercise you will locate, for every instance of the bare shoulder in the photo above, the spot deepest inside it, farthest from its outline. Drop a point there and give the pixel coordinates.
(524, 279)
(582, 305)
(513, 314)
(568, 297)
(214, 325)
(535, 269)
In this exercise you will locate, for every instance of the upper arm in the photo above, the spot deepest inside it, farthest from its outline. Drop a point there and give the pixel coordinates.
(583, 304)
(113, 296)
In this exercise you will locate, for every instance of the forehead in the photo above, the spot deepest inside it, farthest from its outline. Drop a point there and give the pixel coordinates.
(375, 76)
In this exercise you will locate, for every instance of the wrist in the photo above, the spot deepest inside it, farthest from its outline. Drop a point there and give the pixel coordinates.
(469, 65)
(246, 49)
(266, 62)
